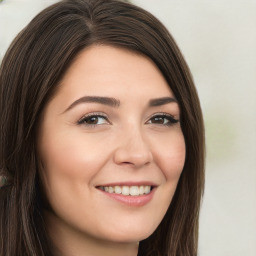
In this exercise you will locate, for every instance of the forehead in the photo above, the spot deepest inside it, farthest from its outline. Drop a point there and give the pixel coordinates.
(106, 70)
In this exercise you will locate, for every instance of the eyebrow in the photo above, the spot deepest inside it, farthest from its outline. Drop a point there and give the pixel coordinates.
(112, 102)
(161, 101)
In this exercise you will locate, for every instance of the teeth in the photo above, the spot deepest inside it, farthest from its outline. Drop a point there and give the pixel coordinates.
(147, 189)
(118, 190)
(127, 190)
(134, 191)
(142, 190)
(110, 190)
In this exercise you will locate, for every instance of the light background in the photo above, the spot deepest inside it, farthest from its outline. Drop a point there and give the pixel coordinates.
(218, 40)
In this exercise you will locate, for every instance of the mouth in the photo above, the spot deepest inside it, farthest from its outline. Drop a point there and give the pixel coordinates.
(126, 190)
(129, 194)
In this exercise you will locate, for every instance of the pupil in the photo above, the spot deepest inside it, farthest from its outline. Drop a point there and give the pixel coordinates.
(158, 120)
(92, 120)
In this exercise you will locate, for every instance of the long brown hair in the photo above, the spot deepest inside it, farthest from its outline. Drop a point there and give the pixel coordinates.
(29, 75)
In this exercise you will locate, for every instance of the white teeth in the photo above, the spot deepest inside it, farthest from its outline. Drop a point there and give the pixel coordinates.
(110, 190)
(142, 190)
(147, 189)
(134, 191)
(118, 190)
(127, 190)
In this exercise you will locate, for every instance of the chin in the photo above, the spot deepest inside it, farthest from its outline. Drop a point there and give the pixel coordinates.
(130, 235)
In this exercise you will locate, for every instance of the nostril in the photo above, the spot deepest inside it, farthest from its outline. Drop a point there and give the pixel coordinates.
(134, 152)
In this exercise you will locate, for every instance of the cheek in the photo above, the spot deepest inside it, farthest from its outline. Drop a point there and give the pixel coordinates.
(170, 156)
(68, 151)
(64, 159)
(69, 167)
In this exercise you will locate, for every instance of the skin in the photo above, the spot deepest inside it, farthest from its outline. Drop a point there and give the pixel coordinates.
(128, 144)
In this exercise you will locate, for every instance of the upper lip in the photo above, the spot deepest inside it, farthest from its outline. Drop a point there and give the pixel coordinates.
(128, 183)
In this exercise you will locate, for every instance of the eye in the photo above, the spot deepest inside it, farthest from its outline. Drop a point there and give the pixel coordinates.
(93, 119)
(162, 119)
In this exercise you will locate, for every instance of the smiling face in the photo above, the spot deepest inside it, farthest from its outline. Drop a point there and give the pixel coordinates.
(111, 147)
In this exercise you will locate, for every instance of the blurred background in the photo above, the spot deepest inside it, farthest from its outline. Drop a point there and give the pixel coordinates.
(218, 40)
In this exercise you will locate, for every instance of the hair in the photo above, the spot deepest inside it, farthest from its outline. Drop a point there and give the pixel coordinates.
(29, 76)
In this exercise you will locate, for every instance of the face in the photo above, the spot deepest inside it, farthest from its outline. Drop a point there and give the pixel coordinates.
(111, 146)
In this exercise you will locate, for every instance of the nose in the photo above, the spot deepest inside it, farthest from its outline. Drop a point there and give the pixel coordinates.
(132, 150)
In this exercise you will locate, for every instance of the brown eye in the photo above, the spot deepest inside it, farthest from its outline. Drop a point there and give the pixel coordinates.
(158, 120)
(93, 120)
(162, 119)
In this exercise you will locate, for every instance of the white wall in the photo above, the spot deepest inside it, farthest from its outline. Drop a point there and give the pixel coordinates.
(218, 39)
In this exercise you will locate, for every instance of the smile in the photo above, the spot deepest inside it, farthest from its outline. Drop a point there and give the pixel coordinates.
(127, 190)
(132, 195)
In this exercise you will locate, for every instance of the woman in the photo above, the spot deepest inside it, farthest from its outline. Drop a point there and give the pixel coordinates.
(102, 140)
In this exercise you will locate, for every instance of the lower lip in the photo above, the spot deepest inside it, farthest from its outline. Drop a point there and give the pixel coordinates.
(131, 200)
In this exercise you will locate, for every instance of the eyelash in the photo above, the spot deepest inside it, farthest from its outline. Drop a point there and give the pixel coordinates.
(170, 119)
(85, 119)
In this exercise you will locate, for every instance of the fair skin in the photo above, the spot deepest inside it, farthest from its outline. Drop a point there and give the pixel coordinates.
(123, 133)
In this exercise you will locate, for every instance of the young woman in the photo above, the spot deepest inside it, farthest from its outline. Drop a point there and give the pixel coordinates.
(102, 139)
